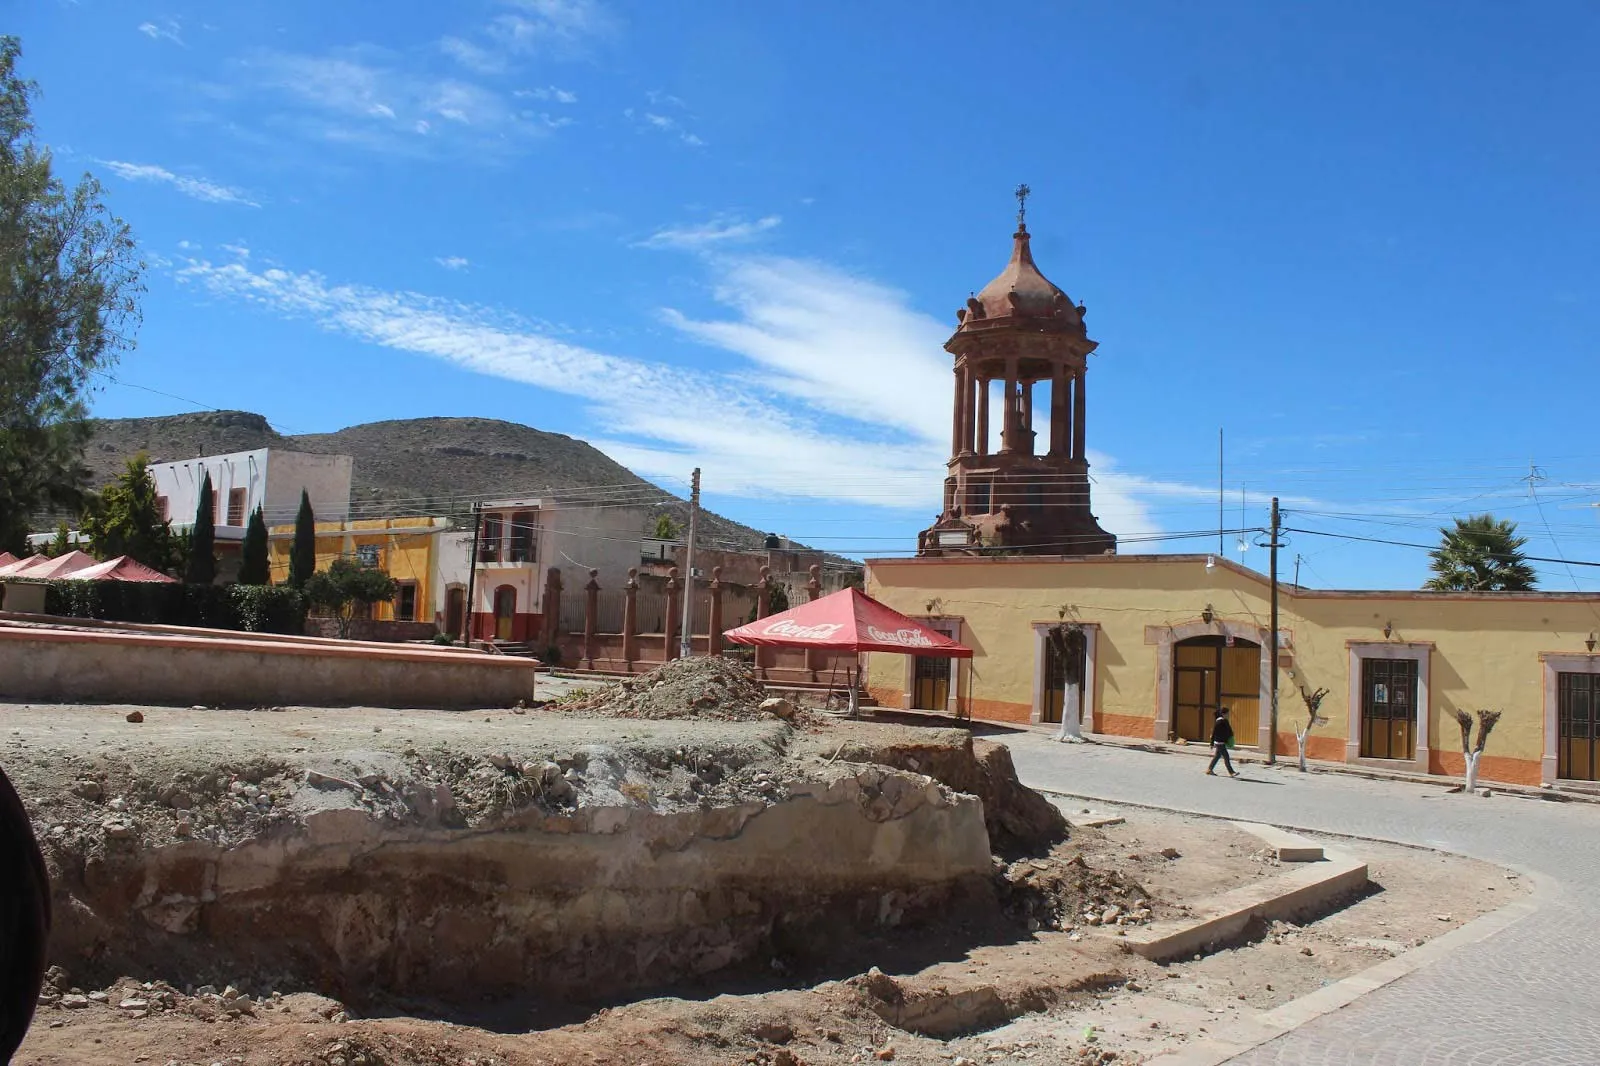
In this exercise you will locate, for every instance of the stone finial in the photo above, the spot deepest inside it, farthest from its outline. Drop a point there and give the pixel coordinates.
(716, 577)
(594, 580)
(633, 577)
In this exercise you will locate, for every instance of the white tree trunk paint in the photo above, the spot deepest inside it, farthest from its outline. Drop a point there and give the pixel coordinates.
(1300, 743)
(1472, 771)
(1071, 729)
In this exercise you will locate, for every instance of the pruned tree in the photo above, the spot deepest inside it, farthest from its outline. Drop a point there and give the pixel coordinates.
(202, 568)
(303, 552)
(1481, 554)
(1068, 644)
(255, 568)
(665, 528)
(1314, 718)
(125, 519)
(69, 285)
(1473, 752)
(345, 585)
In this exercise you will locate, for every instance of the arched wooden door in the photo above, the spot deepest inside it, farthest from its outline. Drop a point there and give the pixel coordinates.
(455, 609)
(505, 611)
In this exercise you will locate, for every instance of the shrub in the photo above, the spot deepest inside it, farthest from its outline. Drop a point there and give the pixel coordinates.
(248, 608)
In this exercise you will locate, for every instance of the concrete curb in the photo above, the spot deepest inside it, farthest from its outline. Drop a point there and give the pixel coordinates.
(1251, 1032)
(1287, 896)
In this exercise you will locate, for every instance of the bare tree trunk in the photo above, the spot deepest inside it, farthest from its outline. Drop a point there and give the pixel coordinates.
(1300, 744)
(1071, 729)
(1472, 771)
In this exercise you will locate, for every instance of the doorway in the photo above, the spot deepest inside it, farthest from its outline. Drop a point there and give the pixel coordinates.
(930, 689)
(1388, 708)
(505, 611)
(1578, 712)
(1214, 672)
(1065, 662)
(455, 609)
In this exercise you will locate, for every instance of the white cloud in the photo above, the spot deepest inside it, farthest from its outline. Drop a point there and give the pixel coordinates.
(720, 230)
(665, 124)
(195, 188)
(536, 25)
(165, 30)
(473, 56)
(560, 96)
(452, 262)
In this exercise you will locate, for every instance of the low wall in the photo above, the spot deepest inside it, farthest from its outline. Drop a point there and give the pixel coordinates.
(371, 629)
(777, 664)
(122, 666)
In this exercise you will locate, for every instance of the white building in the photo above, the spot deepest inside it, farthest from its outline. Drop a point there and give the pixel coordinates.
(519, 541)
(267, 478)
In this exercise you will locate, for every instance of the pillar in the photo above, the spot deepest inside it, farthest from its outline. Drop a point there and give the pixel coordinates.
(714, 632)
(1058, 411)
(669, 650)
(630, 619)
(1008, 413)
(959, 417)
(1026, 435)
(591, 615)
(983, 415)
(1079, 405)
(763, 605)
(552, 607)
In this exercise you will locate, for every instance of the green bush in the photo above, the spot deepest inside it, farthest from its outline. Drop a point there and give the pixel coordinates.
(248, 608)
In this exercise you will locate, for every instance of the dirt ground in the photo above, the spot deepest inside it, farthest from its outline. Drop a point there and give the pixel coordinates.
(1048, 984)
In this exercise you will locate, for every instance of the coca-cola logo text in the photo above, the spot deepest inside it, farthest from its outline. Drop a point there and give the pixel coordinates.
(821, 631)
(910, 638)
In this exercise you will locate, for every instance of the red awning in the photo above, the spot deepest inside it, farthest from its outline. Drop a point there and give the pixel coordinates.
(39, 568)
(848, 620)
(122, 568)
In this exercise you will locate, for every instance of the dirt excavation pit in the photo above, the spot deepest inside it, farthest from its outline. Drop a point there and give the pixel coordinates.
(666, 872)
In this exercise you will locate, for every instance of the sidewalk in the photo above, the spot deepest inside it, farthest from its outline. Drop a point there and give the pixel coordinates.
(1251, 757)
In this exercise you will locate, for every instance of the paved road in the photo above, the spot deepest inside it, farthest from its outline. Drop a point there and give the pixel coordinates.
(1530, 994)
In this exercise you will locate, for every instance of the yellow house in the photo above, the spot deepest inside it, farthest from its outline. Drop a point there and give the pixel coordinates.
(1167, 639)
(404, 548)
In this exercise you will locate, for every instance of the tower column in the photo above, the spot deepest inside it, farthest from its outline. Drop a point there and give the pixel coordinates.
(983, 415)
(1079, 407)
(969, 415)
(1027, 418)
(959, 417)
(1058, 411)
(1008, 426)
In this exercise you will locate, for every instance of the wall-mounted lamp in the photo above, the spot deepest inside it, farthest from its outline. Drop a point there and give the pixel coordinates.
(1207, 615)
(1211, 563)
(1590, 642)
(1388, 630)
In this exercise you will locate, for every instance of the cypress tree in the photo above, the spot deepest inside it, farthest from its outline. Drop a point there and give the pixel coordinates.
(202, 569)
(303, 555)
(254, 567)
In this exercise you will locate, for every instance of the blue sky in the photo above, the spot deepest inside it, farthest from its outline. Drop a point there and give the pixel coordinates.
(1360, 237)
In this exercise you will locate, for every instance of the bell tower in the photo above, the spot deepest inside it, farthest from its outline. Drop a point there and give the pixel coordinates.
(1027, 496)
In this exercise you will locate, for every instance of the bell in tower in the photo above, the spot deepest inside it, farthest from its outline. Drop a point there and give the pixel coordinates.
(1025, 334)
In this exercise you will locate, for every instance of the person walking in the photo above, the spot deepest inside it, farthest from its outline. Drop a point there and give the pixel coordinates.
(1221, 741)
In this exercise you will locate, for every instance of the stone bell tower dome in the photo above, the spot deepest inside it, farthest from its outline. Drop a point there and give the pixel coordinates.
(1025, 332)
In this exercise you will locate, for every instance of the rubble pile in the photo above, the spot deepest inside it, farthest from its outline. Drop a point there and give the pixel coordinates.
(1067, 893)
(705, 687)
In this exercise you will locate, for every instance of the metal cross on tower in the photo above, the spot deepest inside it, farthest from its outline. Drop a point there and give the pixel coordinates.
(1022, 195)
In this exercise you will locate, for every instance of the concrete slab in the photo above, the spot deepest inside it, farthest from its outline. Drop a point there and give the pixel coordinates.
(1290, 847)
(1289, 896)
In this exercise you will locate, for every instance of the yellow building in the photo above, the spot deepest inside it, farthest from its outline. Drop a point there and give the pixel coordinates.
(1167, 639)
(404, 548)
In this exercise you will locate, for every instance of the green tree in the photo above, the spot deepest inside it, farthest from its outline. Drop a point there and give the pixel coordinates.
(69, 285)
(254, 566)
(61, 543)
(303, 553)
(126, 519)
(345, 585)
(1481, 554)
(202, 568)
(666, 528)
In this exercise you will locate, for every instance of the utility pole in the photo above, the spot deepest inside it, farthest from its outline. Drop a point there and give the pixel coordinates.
(472, 575)
(685, 638)
(1272, 641)
(1222, 523)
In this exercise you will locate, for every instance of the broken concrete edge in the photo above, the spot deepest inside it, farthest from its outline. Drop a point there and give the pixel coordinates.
(1288, 847)
(1252, 1032)
(1225, 918)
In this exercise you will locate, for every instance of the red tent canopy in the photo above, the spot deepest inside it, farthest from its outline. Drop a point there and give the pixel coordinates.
(122, 568)
(40, 568)
(848, 620)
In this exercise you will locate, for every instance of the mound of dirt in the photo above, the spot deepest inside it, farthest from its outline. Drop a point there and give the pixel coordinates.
(1057, 892)
(705, 687)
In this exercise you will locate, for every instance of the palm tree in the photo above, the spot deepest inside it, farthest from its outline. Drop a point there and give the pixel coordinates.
(1481, 554)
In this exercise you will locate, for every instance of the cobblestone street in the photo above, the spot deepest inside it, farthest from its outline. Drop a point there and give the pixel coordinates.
(1528, 994)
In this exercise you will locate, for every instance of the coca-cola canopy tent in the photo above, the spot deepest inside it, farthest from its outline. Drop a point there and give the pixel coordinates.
(122, 568)
(848, 620)
(40, 568)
